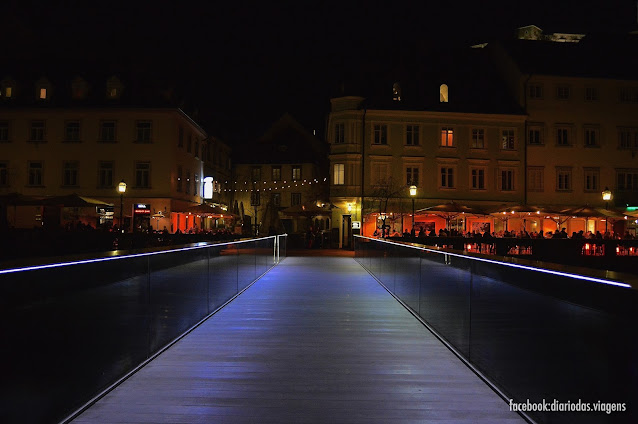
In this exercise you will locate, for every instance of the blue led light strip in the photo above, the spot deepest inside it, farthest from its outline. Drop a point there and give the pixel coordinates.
(136, 255)
(490, 261)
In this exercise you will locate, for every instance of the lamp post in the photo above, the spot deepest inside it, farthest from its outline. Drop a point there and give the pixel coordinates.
(607, 196)
(121, 188)
(413, 195)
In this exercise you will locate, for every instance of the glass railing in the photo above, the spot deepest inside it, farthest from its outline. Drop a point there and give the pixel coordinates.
(534, 331)
(71, 330)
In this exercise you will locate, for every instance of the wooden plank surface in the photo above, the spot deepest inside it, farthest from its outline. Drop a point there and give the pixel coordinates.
(316, 340)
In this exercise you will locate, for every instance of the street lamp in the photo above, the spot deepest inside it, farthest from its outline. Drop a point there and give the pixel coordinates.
(607, 196)
(121, 188)
(413, 194)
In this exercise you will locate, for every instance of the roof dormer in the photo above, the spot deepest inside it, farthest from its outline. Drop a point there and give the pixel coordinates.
(396, 92)
(43, 89)
(7, 88)
(79, 88)
(114, 88)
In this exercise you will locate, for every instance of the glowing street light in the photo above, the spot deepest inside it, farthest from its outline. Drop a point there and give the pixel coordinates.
(607, 196)
(121, 188)
(413, 195)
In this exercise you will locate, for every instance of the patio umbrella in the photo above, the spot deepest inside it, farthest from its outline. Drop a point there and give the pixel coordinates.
(588, 211)
(73, 201)
(449, 211)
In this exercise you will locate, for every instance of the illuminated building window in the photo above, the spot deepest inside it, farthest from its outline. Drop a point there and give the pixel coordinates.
(592, 136)
(276, 199)
(447, 137)
(339, 133)
(447, 177)
(443, 94)
(4, 174)
(535, 178)
(35, 173)
(255, 199)
(107, 132)
(627, 180)
(562, 92)
(255, 174)
(563, 136)
(412, 135)
(628, 138)
(592, 179)
(72, 132)
(113, 93)
(508, 140)
(70, 171)
(295, 199)
(143, 130)
(535, 91)
(563, 179)
(276, 173)
(506, 179)
(478, 138)
(411, 176)
(8, 92)
(43, 93)
(380, 134)
(535, 135)
(396, 92)
(38, 130)
(114, 88)
(143, 175)
(477, 178)
(591, 94)
(180, 137)
(4, 131)
(296, 173)
(338, 174)
(179, 179)
(105, 174)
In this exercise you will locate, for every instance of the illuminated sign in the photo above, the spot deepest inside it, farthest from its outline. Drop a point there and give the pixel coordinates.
(142, 209)
(208, 188)
(356, 225)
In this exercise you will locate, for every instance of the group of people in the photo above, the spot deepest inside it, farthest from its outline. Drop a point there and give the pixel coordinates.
(557, 234)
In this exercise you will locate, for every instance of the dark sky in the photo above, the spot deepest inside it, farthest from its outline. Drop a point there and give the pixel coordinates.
(245, 63)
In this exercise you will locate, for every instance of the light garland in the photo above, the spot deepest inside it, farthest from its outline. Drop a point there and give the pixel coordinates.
(276, 187)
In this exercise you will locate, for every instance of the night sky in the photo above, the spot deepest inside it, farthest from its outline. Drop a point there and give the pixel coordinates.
(244, 64)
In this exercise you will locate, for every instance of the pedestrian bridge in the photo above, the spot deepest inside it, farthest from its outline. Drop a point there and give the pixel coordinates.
(399, 334)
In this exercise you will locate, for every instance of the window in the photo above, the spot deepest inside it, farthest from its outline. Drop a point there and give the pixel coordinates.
(506, 177)
(180, 137)
(627, 180)
(447, 177)
(563, 136)
(295, 199)
(592, 179)
(4, 131)
(478, 178)
(143, 175)
(591, 94)
(276, 199)
(70, 174)
(380, 134)
(411, 176)
(535, 135)
(276, 173)
(563, 179)
(255, 174)
(196, 186)
(592, 136)
(196, 153)
(8, 92)
(380, 173)
(535, 178)
(447, 137)
(143, 131)
(338, 174)
(535, 91)
(296, 173)
(179, 178)
(562, 92)
(396, 92)
(628, 138)
(444, 94)
(189, 143)
(35, 173)
(43, 93)
(105, 174)
(37, 131)
(412, 135)
(255, 198)
(72, 132)
(508, 139)
(107, 132)
(339, 133)
(4, 174)
(628, 95)
(478, 138)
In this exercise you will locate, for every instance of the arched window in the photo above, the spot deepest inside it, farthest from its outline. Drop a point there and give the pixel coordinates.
(396, 92)
(443, 94)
